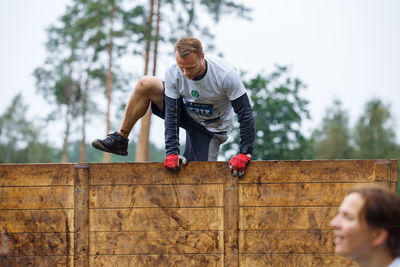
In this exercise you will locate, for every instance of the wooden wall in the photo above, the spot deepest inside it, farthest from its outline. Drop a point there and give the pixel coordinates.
(139, 214)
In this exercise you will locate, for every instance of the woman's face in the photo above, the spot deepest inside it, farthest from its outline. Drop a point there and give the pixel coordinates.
(353, 237)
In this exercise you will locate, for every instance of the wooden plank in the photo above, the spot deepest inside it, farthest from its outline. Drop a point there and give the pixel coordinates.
(394, 171)
(81, 216)
(29, 221)
(190, 260)
(286, 241)
(155, 219)
(56, 261)
(38, 244)
(50, 197)
(122, 196)
(383, 173)
(394, 177)
(382, 170)
(393, 187)
(155, 173)
(299, 194)
(294, 260)
(285, 218)
(181, 242)
(36, 174)
(231, 222)
(302, 171)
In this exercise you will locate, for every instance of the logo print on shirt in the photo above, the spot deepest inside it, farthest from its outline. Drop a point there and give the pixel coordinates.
(206, 110)
(195, 93)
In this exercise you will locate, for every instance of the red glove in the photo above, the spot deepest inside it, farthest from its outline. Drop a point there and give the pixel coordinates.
(173, 161)
(238, 164)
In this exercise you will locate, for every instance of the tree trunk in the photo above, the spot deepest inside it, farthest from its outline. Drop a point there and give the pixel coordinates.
(64, 153)
(82, 157)
(142, 147)
(155, 53)
(107, 156)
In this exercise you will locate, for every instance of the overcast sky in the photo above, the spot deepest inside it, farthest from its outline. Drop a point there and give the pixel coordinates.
(343, 49)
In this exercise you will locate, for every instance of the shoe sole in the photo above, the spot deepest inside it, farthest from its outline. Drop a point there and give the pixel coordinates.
(97, 144)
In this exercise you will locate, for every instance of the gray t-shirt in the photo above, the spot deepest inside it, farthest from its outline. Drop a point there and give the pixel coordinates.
(207, 100)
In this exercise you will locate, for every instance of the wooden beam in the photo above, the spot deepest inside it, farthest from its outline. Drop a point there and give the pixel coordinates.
(81, 216)
(231, 221)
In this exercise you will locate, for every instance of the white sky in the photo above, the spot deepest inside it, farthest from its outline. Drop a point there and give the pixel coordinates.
(344, 49)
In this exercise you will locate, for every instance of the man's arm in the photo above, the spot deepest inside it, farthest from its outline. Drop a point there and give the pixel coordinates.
(243, 109)
(172, 113)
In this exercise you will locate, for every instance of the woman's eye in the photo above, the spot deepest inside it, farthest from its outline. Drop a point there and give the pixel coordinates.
(347, 216)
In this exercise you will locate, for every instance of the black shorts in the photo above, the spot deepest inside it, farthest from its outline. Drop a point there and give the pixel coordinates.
(201, 144)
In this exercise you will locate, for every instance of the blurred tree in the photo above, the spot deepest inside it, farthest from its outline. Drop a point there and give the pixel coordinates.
(102, 25)
(333, 140)
(184, 22)
(374, 134)
(81, 53)
(278, 112)
(55, 79)
(20, 139)
(196, 17)
(143, 144)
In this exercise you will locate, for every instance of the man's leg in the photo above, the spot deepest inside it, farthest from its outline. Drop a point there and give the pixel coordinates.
(148, 89)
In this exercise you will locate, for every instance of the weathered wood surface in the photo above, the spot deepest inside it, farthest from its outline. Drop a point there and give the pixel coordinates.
(143, 215)
(53, 261)
(169, 242)
(231, 221)
(295, 260)
(286, 241)
(155, 173)
(39, 244)
(297, 194)
(189, 260)
(147, 196)
(49, 197)
(36, 174)
(81, 215)
(36, 221)
(312, 171)
(282, 218)
(157, 219)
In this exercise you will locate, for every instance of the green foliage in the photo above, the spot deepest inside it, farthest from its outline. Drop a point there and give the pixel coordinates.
(20, 139)
(189, 18)
(374, 134)
(333, 141)
(278, 111)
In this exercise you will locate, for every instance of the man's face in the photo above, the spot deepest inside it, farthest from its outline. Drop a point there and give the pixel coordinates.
(353, 237)
(191, 65)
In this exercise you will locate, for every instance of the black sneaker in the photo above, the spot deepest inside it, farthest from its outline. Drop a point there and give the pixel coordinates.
(114, 143)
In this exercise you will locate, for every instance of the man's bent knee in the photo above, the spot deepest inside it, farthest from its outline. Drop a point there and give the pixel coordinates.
(149, 84)
(152, 88)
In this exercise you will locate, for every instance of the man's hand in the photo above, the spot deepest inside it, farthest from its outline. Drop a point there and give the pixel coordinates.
(238, 164)
(173, 162)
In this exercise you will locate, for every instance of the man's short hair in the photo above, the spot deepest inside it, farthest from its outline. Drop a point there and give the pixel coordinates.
(188, 45)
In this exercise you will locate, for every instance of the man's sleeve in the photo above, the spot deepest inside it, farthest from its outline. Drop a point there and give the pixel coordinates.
(172, 113)
(242, 108)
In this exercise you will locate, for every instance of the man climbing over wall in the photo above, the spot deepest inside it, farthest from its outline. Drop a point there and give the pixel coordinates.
(199, 94)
